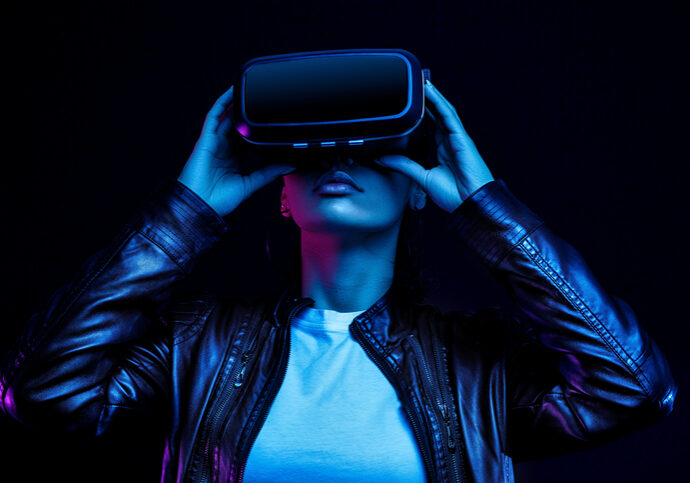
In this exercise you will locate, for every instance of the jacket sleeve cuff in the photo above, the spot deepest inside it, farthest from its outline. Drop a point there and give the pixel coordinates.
(492, 221)
(180, 223)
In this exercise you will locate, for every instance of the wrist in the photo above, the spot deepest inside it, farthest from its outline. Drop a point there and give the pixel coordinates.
(471, 188)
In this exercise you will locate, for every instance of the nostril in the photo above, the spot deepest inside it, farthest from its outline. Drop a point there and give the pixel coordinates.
(345, 160)
(337, 160)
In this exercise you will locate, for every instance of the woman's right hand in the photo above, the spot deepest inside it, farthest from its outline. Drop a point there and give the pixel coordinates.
(212, 170)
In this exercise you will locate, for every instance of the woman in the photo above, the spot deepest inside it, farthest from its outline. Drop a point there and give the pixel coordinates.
(377, 388)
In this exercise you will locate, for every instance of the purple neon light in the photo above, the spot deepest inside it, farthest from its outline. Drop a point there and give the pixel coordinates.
(243, 129)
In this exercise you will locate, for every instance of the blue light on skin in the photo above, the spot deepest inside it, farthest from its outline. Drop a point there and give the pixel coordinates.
(348, 238)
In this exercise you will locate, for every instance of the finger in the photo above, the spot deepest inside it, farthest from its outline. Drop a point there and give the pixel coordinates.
(214, 116)
(223, 101)
(405, 165)
(445, 109)
(438, 93)
(432, 116)
(224, 125)
(261, 177)
(438, 133)
(436, 122)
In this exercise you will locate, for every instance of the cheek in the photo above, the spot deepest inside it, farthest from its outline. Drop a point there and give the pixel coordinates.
(387, 199)
(299, 194)
(399, 189)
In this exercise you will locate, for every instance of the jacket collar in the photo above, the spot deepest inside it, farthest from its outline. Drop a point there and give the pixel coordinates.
(290, 299)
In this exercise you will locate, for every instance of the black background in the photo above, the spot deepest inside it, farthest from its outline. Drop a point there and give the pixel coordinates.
(580, 107)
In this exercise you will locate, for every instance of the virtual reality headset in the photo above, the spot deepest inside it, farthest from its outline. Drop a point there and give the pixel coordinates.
(310, 105)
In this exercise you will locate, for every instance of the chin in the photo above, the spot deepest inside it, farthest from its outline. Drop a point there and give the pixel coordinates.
(347, 222)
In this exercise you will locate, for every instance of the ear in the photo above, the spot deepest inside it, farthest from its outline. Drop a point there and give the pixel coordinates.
(417, 197)
(284, 205)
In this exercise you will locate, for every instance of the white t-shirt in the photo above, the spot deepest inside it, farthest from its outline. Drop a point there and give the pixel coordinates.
(336, 417)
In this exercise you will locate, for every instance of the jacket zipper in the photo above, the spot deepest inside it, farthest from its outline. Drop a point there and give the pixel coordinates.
(206, 439)
(358, 335)
(239, 375)
(276, 383)
(239, 378)
(440, 403)
(461, 453)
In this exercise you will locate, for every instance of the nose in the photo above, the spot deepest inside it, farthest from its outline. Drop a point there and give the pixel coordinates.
(338, 160)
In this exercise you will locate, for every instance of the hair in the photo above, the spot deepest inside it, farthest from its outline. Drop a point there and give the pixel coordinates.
(412, 279)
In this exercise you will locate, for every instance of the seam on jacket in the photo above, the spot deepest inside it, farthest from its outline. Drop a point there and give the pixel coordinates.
(122, 406)
(589, 317)
(164, 250)
(197, 203)
(195, 326)
(556, 395)
(164, 231)
(519, 242)
(202, 214)
(371, 336)
(642, 358)
(185, 215)
(507, 469)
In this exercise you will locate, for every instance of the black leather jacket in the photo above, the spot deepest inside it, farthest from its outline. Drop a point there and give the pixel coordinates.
(571, 371)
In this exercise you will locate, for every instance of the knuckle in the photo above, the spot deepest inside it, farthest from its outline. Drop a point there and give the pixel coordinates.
(426, 181)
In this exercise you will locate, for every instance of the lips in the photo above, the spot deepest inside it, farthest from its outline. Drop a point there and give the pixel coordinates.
(336, 177)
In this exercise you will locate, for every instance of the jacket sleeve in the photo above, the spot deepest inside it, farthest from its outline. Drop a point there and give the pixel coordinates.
(579, 370)
(101, 346)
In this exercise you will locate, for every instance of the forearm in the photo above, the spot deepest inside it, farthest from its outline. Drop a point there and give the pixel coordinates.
(62, 362)
(604, 353)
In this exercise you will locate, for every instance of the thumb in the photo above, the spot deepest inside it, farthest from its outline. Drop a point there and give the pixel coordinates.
(261, 177)
(406, 166)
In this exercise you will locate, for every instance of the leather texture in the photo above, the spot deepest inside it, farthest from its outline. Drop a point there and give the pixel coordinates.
(569, 368)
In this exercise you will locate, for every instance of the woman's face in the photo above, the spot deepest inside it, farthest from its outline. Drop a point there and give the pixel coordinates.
(377, 201)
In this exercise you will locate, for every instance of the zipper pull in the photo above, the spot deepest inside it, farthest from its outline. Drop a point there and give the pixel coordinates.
(240, 377)
(239, 380)
(446, 418)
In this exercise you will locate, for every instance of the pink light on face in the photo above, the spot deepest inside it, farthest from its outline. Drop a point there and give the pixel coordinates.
(243, 129)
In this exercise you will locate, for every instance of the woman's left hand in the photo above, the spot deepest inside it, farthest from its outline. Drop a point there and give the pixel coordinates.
(461, 169)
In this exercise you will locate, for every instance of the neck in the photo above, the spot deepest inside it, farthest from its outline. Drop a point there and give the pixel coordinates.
(347, 272)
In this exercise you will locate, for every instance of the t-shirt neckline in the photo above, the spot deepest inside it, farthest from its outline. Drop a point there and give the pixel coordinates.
(324, 319)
